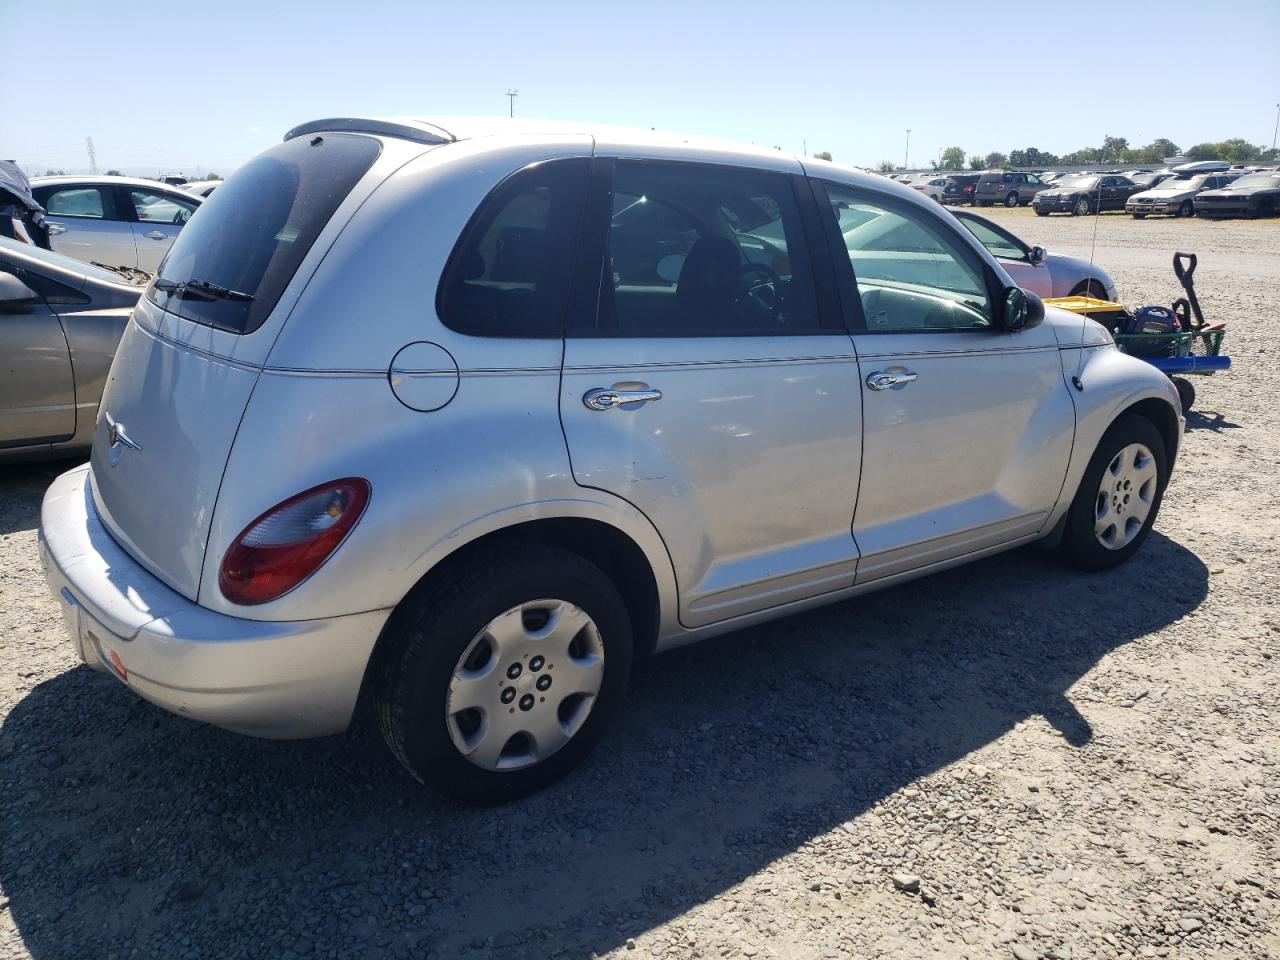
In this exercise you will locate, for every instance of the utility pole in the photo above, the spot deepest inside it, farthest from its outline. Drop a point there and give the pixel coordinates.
(1277, 129)
(906, 153)
(93, 158)
(511, 101)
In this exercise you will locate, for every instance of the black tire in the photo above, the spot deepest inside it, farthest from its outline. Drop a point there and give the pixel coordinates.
(1081, 209)
(432, 628)
(1079, 543)
(1186, 393)
(1090, 288)
(1011, 200)
(1186, 209)
(1139, 216)
(1041, 213)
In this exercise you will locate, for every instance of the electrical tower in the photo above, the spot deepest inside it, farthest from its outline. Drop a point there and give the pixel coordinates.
(93, 157)
(511, 100)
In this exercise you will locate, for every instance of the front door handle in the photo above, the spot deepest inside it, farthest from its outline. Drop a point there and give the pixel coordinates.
(56, 228)
(602, 399)
(880, 380)
(156, 235)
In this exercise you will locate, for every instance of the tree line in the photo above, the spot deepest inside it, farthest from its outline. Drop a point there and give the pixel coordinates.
(1115, 150)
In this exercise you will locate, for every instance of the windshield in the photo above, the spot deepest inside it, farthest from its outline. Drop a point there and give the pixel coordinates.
(1255, 180)
(1182, 183)
(1077, 182)
(58, 260)
(230, 264)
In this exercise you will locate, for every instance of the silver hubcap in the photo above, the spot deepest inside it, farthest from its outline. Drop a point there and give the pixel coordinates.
(1082, 207)
(1125, 495)
(524, 685)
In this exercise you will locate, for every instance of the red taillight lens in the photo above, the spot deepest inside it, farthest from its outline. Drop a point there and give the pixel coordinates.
(288, 543)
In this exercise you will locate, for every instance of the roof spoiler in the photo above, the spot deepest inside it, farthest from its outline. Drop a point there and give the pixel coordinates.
(424, 133)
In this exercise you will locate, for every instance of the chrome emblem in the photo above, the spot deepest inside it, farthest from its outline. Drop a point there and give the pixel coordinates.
(117, 438)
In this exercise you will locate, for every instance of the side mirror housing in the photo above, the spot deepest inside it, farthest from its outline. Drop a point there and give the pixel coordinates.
(14, 294)
(1037, 255)
(1022, 310)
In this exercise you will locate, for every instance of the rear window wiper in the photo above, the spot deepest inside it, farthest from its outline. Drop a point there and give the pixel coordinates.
(203, 286)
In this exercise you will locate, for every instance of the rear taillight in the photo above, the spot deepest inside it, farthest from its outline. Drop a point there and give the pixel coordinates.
(999, 186)
(290, 541)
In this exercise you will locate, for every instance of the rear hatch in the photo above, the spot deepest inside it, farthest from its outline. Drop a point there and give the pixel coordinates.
(191, 355)
(991, 184)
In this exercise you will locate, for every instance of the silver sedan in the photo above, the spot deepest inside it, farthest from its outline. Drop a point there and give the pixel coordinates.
(1036, 269)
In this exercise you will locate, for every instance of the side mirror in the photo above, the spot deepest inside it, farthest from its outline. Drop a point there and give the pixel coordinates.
(1036, 256)
(1022, 309)
(14, 294)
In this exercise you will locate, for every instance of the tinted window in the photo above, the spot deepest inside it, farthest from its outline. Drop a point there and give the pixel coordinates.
(76, 202)
(912, 272)
(999, 243)
(252, 234)
(152, 206)
(509, 274)
(705, 251)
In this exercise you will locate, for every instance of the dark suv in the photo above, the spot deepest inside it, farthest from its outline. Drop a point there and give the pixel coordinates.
(1007, 187)
(960, 188)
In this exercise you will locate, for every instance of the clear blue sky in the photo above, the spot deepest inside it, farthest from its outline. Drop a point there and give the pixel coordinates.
(175, 85)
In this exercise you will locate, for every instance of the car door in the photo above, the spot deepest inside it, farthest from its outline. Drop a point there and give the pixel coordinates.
(1012, 253)
(37, 390)
(709, 382)
(158, 216)
(967, 429)
(86, 223)
(1113, 193)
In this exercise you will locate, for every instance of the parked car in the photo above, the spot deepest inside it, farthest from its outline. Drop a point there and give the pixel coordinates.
(1253, 195)
(1007, 187)
(931, 187)
(960, 187)
(202, 188)
(119, 221)
(60, 321)
(1176, 195)
(470, 417)
(1152, 180)
(1034, 268)
(1083, 194)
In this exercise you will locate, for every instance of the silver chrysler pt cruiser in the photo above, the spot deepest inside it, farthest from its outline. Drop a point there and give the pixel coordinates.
(462, 415)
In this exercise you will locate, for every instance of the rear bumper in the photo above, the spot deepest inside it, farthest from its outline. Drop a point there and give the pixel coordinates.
(264, 678)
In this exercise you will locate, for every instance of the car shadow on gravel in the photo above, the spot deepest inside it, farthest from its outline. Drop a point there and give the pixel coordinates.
(22, 488)
(127, 832)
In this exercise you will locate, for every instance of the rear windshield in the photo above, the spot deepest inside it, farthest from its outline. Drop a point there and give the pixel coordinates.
(234, 258)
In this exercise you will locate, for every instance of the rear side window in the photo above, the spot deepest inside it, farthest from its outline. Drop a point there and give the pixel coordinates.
(509, 274)
(229, 266)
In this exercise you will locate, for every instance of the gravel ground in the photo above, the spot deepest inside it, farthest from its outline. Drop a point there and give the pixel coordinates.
(1007, 760)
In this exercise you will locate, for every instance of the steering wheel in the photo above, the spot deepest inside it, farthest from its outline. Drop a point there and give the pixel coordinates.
(768, 278)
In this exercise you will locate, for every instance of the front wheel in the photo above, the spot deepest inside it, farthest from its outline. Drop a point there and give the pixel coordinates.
(1041, 213)
(1118, 497)
(498, 679)
(1186, 209)
(1082, 207)
(1011, 200)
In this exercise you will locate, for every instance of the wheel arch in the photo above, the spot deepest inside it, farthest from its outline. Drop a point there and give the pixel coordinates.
(1164, 419)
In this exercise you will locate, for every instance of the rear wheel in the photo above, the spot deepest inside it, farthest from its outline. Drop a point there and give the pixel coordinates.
(1118, 497)
(1186, 209)
(499, 679)
(1011, 200)
(1082, 207)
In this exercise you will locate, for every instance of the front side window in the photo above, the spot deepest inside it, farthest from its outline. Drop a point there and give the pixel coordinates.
(698, 250)
(151, 206)
(509, 274)
(999, 243)
(87, 202)
(912, 272)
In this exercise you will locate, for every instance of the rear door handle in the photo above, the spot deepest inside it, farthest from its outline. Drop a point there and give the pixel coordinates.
(880, 380)
(156, 235)
(601, 399)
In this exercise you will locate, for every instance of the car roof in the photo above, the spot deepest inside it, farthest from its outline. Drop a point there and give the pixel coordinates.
(439, 130)
(105, 180)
